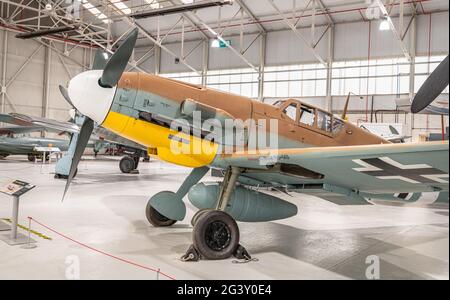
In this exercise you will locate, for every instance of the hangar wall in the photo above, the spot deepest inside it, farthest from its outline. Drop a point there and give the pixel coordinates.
(351, 42)
(28, 67)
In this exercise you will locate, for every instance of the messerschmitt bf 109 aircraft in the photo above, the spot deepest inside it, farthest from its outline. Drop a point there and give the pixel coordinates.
(315, 153)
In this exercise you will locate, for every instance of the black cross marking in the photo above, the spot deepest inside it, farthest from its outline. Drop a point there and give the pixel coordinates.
(390, 170)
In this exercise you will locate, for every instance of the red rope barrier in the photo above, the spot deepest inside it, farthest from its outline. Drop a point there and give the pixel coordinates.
(102, 252)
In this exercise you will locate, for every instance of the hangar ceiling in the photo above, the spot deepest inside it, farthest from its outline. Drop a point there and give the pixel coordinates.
(104, 22)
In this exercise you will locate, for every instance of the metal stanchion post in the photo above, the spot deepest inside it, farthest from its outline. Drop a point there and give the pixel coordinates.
(15, 217)
(157, 274)
(29, 245)
(16, 189)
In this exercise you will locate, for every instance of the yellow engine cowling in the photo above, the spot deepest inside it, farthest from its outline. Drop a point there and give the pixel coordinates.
(171, 146)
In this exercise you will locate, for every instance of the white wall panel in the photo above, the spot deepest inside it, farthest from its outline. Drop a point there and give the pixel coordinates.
(439, 33)
(147, 64)
(26, 91)
(224, 58)
(195, 59)
(284, 47)
(351, 41)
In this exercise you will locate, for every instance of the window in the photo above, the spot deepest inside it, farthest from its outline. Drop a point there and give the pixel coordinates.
(307, 116)
(242, 82)
(291, 111)
(377, 76)
(424, 66)
(337, 125)
(324, 121)
(307, 80)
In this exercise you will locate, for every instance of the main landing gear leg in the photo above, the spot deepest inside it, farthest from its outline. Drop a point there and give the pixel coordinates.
(216, 234)
(166, 208)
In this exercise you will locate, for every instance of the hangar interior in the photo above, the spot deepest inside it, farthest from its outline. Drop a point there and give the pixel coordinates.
(323, 52)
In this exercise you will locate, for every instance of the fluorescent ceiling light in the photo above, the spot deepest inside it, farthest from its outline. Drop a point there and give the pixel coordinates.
(384, 25)
(188, 5)
(154, 4)
(93, 10)
(215, 43)
(105, 55)
(96, 12)
(121, 6)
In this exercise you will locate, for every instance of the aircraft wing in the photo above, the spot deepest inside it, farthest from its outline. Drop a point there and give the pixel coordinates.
(356, 170)
(439, 108)
(42, 123)
(19, 129)
(45, 124)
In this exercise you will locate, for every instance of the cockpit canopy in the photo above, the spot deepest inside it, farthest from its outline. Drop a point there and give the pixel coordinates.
(309, 116)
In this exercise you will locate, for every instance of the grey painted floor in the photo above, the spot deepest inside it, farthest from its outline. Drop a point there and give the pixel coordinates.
(105, 210)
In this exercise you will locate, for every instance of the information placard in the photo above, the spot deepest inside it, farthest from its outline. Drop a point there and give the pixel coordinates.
(16, 188)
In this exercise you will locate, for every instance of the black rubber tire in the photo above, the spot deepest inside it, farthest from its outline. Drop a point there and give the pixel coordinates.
(216, 235)
(198, 214)
(2, 156)
(157, 219)
(31, 158)
(126, 164)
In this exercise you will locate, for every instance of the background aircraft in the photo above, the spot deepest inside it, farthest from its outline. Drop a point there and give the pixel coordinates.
(10, 144)
(100, 139)
(316, 152)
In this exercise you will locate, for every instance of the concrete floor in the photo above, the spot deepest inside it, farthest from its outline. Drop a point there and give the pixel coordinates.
(105, 210)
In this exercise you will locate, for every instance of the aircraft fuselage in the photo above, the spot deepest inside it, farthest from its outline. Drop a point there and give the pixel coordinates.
(142, 103)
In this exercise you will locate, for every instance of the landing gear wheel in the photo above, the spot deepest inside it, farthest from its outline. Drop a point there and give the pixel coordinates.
(216, 235)
(157, 219)
(31, 158)
(2, 156)
(126, 165)
(198, 214)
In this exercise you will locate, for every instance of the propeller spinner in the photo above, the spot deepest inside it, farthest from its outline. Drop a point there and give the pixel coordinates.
(92, 93)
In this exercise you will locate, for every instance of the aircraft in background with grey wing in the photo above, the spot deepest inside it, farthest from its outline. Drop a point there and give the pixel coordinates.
(10, 144)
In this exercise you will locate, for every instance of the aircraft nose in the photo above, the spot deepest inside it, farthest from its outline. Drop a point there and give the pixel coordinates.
(89, 98)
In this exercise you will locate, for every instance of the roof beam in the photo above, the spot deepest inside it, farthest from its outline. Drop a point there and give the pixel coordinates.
(186, 16)
(397, 35)
(299, 34)
(219, 36)
(142, 30)
(251, 15)
(325, 10)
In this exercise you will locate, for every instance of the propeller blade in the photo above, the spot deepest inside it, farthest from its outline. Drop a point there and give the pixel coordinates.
(83, 139)
(118, 62)
(432, 87)
(65, 94)
(393, 130)
(100, 60)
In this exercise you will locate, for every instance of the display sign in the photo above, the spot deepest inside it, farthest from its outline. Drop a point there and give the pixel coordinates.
(16, 188)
